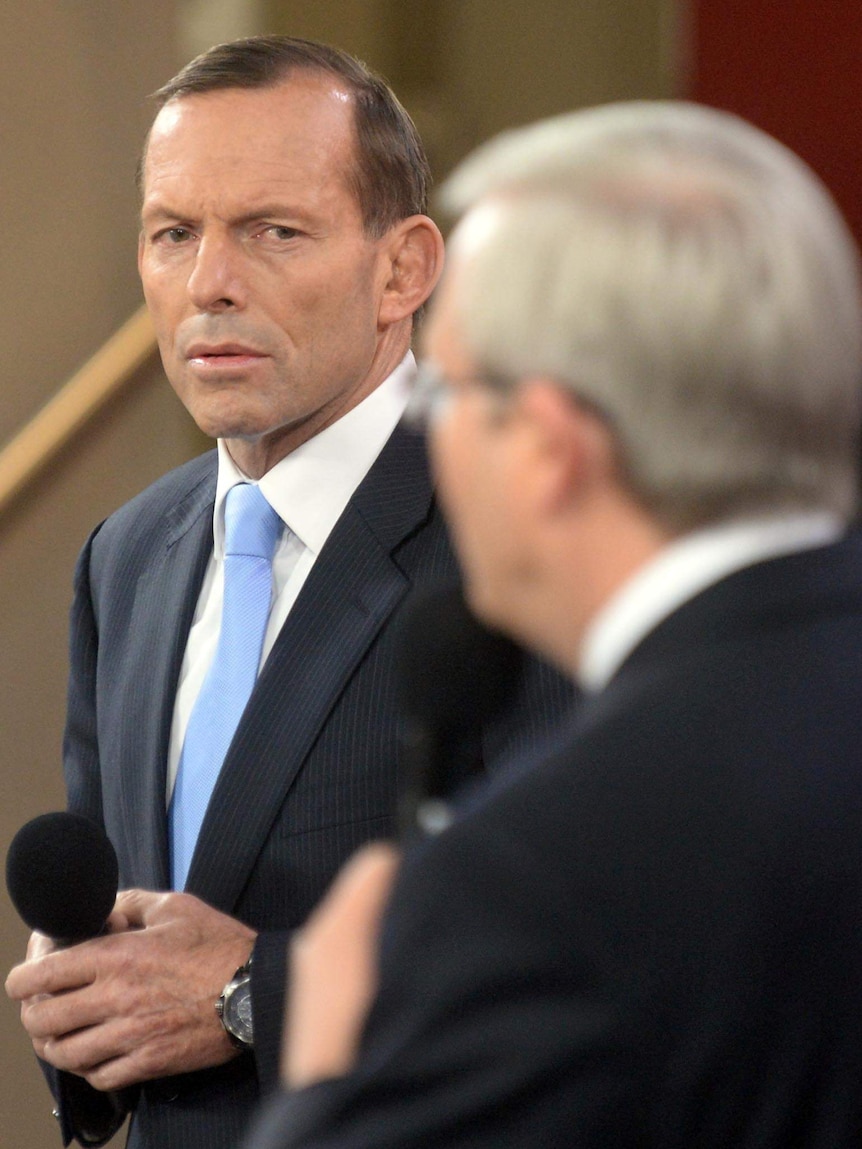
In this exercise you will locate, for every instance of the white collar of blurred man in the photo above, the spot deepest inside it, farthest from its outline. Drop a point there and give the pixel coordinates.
(648, 329)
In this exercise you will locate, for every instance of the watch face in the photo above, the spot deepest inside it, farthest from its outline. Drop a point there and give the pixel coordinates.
(237, 1013)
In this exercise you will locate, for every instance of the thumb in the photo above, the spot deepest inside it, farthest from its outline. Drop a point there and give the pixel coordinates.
(117, 923)
(135, 908)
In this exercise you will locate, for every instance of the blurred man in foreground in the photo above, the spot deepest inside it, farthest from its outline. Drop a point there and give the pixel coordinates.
(645, 426)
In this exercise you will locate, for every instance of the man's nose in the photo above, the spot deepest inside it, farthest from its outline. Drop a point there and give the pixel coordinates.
(216, 281)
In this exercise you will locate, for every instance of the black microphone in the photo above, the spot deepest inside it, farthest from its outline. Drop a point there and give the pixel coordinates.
(455, 675)
(62, 874)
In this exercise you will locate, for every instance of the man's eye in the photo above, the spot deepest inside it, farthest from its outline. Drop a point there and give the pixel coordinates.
(173, 235)
(277, 231)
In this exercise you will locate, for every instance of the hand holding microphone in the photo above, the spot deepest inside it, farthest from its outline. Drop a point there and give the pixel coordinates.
(127, 1005)
(62, 875)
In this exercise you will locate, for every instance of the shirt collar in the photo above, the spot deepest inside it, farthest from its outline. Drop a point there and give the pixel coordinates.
(311, 486)
(682, 570)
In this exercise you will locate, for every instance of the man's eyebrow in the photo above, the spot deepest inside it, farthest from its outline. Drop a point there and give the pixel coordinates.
(160, 209)
(272, 210)
(269, 210)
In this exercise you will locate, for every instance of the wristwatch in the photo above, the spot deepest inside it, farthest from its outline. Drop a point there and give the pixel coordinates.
(234, 1008)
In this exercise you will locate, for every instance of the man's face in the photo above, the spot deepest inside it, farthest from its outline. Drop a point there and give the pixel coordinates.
(477, 451)
(262, 283)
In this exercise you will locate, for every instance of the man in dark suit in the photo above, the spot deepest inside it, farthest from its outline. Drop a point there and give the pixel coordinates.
(284, 251)
(649, 348)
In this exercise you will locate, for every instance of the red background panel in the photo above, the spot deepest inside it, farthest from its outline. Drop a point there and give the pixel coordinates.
(794, 68)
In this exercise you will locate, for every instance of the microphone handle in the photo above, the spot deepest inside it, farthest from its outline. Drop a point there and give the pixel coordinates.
(437, 763)
(93, 1115)
(420, 755)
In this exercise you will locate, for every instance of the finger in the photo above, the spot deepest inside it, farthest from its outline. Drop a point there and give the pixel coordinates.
(333, 970)
(17, 983)
(117, 923)
(56, 971)
(113, 1073)
(137, 906)
(56, 1016)
(33, 979)
(362, 889)
(118, 1073)
(39, 945)
(85, 1050)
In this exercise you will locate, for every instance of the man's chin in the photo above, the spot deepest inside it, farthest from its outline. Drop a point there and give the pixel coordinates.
(217, 421)
(485, 603)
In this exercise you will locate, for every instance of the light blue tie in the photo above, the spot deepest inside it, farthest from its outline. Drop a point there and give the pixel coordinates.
(251, 530)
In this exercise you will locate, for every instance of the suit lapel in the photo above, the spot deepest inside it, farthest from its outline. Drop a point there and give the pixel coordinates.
(165, 600)
(351, 591)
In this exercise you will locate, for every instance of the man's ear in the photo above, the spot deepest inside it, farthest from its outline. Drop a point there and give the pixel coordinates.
(573, 447)
(415, 262)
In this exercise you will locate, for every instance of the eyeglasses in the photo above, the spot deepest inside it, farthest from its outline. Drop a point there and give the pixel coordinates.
(433, 392)
(430, 396)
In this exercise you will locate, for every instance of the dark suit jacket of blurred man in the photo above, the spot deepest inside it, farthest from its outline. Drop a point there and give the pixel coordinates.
(313, 770)
(655, 936)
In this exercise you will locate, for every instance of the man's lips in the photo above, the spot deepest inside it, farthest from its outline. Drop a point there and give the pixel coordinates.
(223, 360)
(214, 353)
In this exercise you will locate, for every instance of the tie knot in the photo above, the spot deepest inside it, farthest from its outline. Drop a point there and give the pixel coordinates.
(251, 526)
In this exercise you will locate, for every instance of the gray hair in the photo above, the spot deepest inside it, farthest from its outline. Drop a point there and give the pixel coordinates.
(691, 279)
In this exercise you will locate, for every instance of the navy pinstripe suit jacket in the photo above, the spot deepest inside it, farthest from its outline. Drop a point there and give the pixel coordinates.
(312, 771)
(651, 939)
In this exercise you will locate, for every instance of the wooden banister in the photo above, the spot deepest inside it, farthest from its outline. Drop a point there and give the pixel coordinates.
(101, 377)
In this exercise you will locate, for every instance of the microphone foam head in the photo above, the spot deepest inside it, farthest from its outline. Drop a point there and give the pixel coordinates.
(61, 874)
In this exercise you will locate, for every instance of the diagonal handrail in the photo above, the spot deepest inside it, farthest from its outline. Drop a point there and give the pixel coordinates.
(51, 428)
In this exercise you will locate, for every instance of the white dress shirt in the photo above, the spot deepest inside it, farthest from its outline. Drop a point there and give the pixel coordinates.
(309, 489)
(682, 570)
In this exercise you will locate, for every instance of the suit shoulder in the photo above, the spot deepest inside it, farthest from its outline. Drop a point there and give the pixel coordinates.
(193, 480)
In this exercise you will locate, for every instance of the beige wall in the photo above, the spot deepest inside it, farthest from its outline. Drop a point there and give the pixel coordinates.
(132, 442)
(467, 69)
(72, 91)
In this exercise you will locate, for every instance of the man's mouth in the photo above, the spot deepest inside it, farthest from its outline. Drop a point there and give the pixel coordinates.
(216, 355)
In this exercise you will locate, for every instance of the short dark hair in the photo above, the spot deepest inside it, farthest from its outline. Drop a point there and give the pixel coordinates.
(391, 177)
